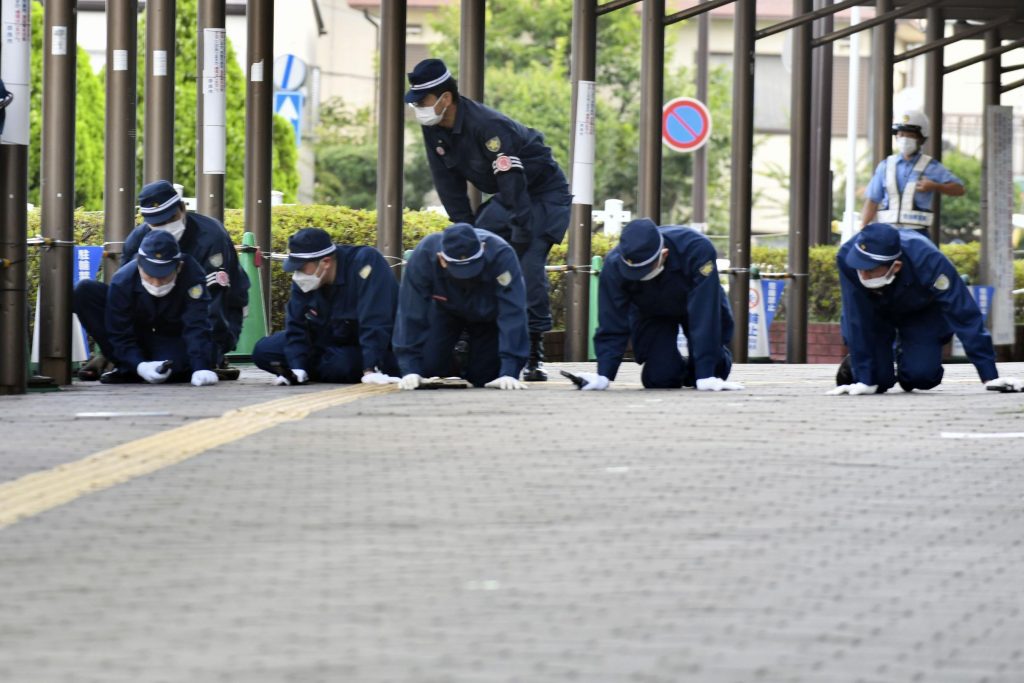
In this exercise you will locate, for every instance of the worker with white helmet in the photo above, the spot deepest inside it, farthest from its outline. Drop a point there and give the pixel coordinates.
(901, 191)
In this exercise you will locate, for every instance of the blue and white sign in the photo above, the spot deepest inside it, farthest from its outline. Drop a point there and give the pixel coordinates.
(289, 105)
(765, 296)
(289, 72)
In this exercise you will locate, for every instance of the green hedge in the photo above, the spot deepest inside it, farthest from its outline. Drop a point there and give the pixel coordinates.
(360, 227)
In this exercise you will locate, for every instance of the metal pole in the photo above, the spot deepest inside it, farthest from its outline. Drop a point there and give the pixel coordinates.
(691, 12)
(992, 97)
(158, 137)
(852, 98)
(883, 39)
(700, 157)
(934, 32)
(825, 10)
(471, 63)
(742, 178)
(617, 4)
(259, 129)
(584, 71)
(799, 172)
(820, 208)
(958, 35)
(119, 170)
(57, 188)
(652, 83)
(211, 105)
(391, 113)
(992, 67)
(994, 51)
(881, 18)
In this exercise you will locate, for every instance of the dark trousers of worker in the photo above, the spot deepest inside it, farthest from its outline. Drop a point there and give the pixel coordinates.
(920, 339)
(655, 345)
(335, 364)
(482, 363)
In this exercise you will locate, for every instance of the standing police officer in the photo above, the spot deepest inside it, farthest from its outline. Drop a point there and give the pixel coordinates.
(340, 315)
(656, 280)
(462, 280)
(157, 312)
(898, 287)
(202, 238)
(467, 141)
(904, 184)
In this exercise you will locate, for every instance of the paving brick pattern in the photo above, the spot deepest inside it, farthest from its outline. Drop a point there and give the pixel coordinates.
(770, 535)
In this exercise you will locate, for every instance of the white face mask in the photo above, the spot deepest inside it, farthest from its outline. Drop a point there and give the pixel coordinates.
(906, 146)
(654, 273)
(306, 282)
(159, 290)
(879, 282)
(426, 116)
(176, 228)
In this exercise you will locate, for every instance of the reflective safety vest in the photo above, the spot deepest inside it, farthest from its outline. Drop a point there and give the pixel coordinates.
(901, 212)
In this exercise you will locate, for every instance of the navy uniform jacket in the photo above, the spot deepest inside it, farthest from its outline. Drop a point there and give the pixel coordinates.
(500, 157)
(206, 240)
(927, 280)
(497, 294)
(358, 308)
(688, 289)
(134, 315)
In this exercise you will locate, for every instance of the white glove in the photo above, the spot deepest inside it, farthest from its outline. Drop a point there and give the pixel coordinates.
(147, 370)
(718, 384)
(505, 383)
(594, 381)
(280, 381)
(301, 376)
(202, 378)
(410, 382)
(999, 382)
(379, 378)
(858, 389)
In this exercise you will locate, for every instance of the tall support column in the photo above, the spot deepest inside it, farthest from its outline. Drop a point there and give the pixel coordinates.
(992, 97)
(799, 176)
(883, 40)
(742, 175)
(391, 112)
(700, 157)
(471, 63)
(993, 67)
(57, 187)
(652, 86)
(211, 110)
(119, 170)
(259, 130)
(158, 138)
(584, 72)
(820, 207)
(934, 32)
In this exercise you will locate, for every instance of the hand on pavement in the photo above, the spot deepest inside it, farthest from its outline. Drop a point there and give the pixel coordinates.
(149, 371)
(718, 384)
(506, 383)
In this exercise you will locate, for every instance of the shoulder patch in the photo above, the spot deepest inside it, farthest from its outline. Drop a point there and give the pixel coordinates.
(195, 291)
(493, 145)
(217, 260)
(941, 283)
(505, 278)
(365, 271)
(706, 269)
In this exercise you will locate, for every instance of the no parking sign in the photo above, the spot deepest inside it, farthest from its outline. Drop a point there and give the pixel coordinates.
(685, 124)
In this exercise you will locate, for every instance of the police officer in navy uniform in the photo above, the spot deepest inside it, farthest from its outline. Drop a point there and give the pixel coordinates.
(467, 141)
(462, 280)
(340, 316)
(201, 237)
(899, 289)
(157, 312)
(656, 280)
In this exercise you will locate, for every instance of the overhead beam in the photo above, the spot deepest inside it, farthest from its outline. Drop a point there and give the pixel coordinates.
(1011, 86)
(987, 54)
(801, 19)
(614, 5)
(956, 37)
(871, 23)
(685, 14)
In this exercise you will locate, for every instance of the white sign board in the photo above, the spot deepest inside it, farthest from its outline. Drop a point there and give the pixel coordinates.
(584, 143)
(997, 244)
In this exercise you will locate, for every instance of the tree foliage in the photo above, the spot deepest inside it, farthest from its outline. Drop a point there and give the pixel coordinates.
(961, 216)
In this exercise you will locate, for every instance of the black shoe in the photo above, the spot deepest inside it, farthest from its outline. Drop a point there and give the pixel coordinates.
(92, 370)
(844, 375)
(226, 373)
(117, 376)
(535, 371)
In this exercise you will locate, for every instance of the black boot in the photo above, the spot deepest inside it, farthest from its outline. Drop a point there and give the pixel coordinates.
(844, 375)
(535, 371)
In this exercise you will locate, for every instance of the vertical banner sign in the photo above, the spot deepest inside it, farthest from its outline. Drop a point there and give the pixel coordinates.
(997, 263)
(214, 101)
(15, 48)
(983, 297)
(583, 144)
(765, 296)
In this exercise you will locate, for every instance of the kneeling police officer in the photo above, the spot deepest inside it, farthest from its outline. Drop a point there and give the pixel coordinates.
(656, 280)
(157, 316)
(463, 280)
(339, 318)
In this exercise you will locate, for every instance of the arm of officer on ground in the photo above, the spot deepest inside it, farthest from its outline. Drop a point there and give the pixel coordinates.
(704, 310)
(612, 335)
(296, 335)
(412, 323)
(513, 338)
(377, 301)
(196, 328)
(867, 339)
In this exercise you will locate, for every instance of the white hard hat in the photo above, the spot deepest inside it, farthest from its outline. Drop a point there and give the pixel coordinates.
(912, 120)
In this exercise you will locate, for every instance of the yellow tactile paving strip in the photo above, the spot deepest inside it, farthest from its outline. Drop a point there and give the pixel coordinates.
(41, 491)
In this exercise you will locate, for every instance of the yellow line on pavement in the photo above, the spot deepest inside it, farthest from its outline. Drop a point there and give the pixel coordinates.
(42, 491)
